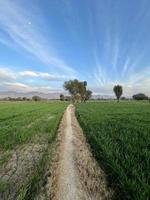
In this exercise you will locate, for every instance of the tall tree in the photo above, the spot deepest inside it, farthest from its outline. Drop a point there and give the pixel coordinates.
(77, 89)
(118, 90)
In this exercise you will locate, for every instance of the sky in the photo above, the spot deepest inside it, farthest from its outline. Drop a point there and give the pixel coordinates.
(105, 42)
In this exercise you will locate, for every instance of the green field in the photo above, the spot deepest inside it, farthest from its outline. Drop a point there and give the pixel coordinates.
(119, 136)
(28, 131)
(118, 133)
(20, 122)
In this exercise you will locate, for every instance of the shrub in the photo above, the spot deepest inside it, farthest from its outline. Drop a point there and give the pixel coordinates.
(140, 96)
(36, 98)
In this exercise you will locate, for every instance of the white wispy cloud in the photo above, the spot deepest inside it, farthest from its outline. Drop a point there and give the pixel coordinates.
(15, 85)
(100, 72)
(20, 87)
(25, 81)
(7, 74)
(126, 66)
(28, 74)
(10, 75)
(14, 21)
(42, 75)
(115, 54)
(140, 76)
(137, 82)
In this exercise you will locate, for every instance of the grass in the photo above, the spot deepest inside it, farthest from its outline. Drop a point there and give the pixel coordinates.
(23, 123)
(119, 136)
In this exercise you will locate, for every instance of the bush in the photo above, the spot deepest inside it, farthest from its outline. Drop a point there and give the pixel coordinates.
(62, 97)
(36, 98)
(140, 96)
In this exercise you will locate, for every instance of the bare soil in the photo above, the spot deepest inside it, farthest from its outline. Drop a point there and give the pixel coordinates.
(16, 172)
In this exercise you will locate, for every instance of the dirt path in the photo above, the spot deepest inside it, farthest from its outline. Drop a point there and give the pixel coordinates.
(69, 186)
(75, 174)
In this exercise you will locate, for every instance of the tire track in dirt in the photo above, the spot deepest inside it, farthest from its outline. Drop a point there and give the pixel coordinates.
(75, 174)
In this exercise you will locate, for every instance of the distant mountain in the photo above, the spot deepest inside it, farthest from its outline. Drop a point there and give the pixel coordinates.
(29, 95)
(98, 96)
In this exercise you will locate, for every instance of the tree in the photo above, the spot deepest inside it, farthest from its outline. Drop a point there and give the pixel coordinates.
(75, 87)
(77, 90)
(25, 99)
(118, 91)
(72, 86)
(85, 83)
(140, 96)
(62, 98)
(18, 99)
(77, 97)
(123, 98)
(36, 98)
(67, 98)
(88, 95)
(82, 90)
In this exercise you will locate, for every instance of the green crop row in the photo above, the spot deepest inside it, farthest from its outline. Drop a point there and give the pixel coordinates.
(20, 122)
(119, 136)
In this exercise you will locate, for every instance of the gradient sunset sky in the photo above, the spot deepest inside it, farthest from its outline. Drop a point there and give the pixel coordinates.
(46, 42)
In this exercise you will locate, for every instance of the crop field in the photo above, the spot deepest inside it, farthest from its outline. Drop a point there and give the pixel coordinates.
(20, 122)
(119, 136)
(27, 129)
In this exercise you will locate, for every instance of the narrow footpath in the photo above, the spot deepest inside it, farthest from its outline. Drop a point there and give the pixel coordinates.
(75, 174)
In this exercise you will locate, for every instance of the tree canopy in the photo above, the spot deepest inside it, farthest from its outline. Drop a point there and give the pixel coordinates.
(62, 97)
(36, 98)
(78, 90)
(140, 96)
(118, 90)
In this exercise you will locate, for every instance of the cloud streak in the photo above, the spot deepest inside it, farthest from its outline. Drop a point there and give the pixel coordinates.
(138, 82)
(8, 75)
(41, 75)
(100, 73)
(15, 23)
(20, 87)
(25, 81)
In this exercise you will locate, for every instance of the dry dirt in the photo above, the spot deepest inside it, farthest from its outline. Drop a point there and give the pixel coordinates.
(15, 173)
(75, 174)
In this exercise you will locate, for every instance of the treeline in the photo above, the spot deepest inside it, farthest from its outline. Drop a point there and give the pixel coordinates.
(65, 98)
(118, 90)
(15, 99)
(140, 96)
(34, 98)
(79, 93)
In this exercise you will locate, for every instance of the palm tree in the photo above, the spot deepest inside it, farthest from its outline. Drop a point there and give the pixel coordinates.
(118, 90)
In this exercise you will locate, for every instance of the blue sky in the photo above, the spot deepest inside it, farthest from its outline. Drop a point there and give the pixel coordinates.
(44, 43)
